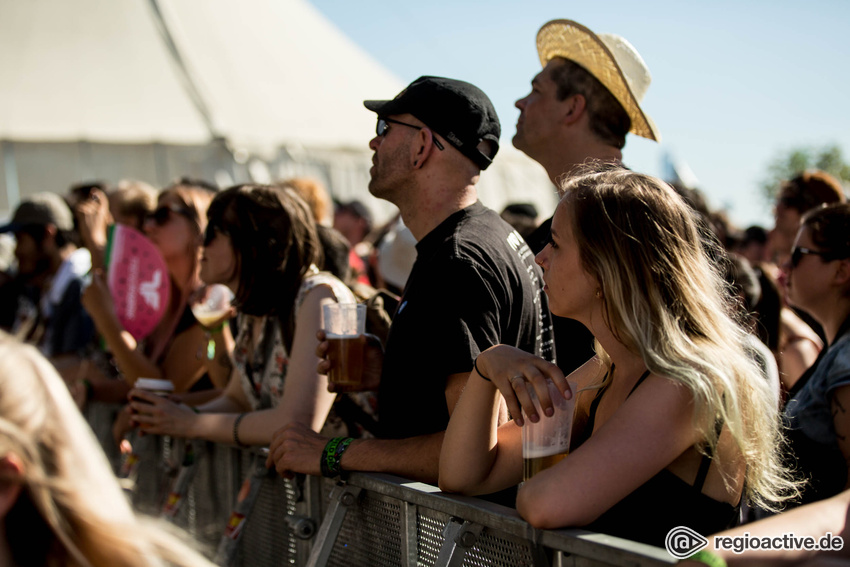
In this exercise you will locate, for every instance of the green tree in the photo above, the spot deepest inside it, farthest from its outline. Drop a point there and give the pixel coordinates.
(792, 162)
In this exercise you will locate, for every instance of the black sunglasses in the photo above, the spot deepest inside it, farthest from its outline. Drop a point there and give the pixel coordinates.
(162, 214)
(384, 126)
(798, 252)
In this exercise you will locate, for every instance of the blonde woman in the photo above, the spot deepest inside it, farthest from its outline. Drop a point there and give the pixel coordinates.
(674, 421)
(59, 502)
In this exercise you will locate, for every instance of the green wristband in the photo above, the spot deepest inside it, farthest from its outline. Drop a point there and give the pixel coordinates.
(708, 558)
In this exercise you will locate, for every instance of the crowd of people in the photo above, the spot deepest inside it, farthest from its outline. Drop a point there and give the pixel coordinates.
(710, 365)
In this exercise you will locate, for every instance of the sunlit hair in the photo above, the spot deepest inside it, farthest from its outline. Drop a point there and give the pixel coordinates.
(666, 301)
(133, 200)
(315, 195)
(273, 235)
(70, 510)
(195, 197)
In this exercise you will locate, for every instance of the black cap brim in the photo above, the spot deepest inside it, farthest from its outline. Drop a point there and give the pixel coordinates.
(383, 107)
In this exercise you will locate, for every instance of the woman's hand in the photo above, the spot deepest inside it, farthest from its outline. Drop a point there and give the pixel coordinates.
(514, 372)
(93, 219)
(373, 362)
(158, 415)
(97, 299)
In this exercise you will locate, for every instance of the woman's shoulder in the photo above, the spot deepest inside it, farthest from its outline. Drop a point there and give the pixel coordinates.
(796, 330)
(316, 280)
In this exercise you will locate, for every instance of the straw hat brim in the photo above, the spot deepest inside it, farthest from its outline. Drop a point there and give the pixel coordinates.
(573, 41)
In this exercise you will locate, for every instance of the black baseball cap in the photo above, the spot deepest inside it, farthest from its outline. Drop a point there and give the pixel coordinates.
(458, 111)
(41, 209)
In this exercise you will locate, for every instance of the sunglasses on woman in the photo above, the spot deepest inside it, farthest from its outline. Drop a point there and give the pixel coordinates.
(162, 214)
(798, 252)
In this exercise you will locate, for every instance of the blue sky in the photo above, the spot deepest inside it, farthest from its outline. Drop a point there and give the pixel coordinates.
(734, 83)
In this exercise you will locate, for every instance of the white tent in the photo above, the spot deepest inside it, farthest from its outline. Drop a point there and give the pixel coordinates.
(222, 89)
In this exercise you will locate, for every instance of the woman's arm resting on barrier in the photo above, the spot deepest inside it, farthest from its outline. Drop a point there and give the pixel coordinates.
(478, 456)
(643, 436)
(305, 396)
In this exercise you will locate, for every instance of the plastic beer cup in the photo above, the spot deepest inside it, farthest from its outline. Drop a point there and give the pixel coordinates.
(344, 326)
(548, 441)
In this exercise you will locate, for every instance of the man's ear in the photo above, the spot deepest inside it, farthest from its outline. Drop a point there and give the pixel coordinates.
(11, 470)
(574, 108)
(421, 148)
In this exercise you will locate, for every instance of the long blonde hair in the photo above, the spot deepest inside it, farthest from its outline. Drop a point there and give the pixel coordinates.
(71, 510)
(665, 299)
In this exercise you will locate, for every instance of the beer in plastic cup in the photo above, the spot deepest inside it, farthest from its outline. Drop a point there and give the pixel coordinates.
(154, 386)
(547, 442)
(344, 326)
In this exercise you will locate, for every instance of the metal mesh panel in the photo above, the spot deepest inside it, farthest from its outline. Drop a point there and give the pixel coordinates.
(100, 417)
(210, 496)
(370, 535)
(266, 537)
(429, 535)
(151, 474)
(495, 550)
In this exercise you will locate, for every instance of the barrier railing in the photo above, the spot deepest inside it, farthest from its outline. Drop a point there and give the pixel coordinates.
(245, 515)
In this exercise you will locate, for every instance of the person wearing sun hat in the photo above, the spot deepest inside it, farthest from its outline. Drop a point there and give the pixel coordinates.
(581, 106)
(472, 285)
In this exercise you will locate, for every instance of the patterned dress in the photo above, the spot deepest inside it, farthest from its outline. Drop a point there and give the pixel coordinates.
(262, 365)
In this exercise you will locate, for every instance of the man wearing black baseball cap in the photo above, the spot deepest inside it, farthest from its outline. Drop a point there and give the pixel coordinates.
(474, 283)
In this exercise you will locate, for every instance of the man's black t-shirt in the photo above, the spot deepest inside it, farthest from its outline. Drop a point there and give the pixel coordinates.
(573, 342)
(474, 285)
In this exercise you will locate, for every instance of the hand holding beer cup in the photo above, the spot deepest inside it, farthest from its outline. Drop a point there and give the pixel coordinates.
(343, 345)
(547, 441)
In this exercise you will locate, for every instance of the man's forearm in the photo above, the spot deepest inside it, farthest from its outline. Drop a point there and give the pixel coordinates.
(416, 458)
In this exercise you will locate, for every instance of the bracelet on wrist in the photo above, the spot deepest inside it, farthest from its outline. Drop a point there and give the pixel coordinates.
(236, 423)
(332, 456)
(475, 366)
(218, 328)
(707, 558)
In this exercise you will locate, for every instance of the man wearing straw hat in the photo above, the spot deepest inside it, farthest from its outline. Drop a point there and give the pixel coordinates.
(581, 106)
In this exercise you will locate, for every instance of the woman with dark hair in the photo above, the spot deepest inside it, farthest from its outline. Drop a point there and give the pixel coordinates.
(817, 280)
(261, 242)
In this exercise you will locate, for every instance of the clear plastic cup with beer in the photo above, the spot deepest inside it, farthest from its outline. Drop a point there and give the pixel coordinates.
(548, 441)
(344, 326)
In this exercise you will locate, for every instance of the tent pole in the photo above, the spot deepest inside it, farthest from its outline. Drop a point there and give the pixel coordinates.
(10, 167)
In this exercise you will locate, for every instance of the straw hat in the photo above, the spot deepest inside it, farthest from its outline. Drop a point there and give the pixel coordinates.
(609, 58)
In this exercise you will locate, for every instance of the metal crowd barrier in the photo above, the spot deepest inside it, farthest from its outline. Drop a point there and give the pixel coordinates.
(242, 514)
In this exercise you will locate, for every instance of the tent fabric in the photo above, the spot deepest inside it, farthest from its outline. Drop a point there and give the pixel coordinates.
(271, 72)
(228, 90)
